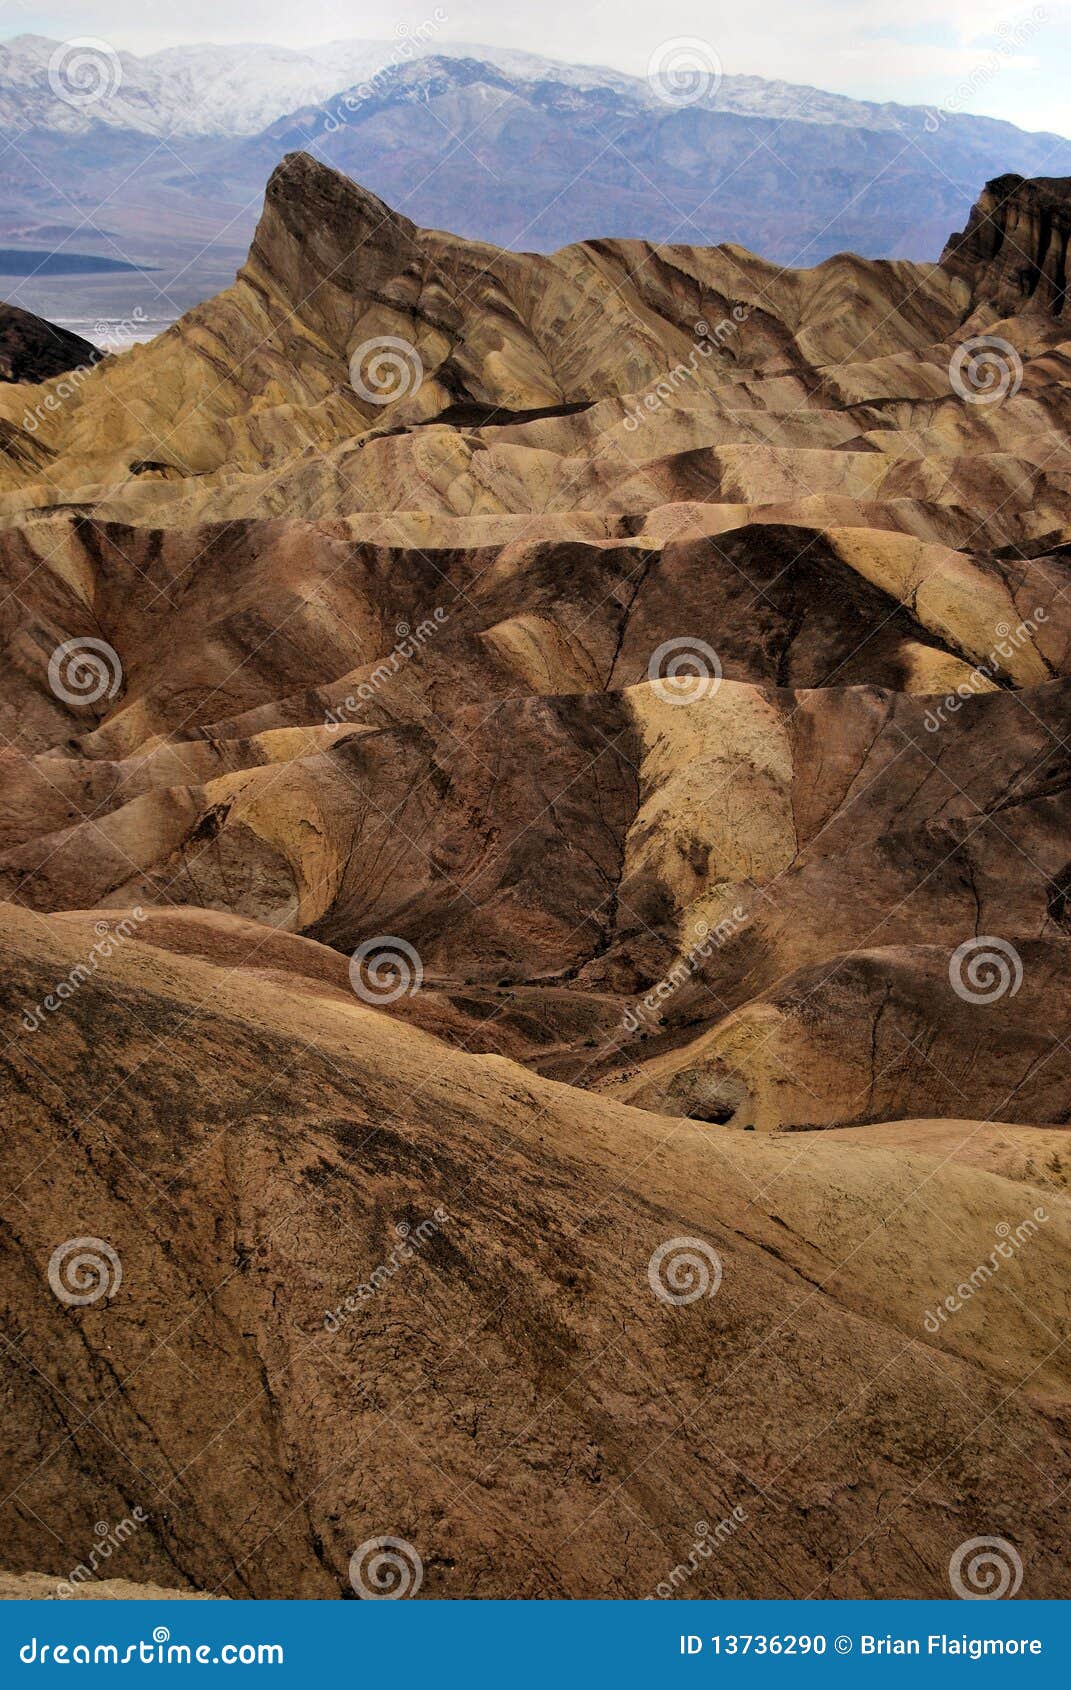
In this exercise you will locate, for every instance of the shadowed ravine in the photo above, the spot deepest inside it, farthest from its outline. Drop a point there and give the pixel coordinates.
(537, 909)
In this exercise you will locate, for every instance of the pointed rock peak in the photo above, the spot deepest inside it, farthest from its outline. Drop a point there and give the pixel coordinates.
(318, 225)
(302, 188)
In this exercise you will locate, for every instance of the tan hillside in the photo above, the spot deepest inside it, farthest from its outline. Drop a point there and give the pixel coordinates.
(514, 1400)
(518, 770)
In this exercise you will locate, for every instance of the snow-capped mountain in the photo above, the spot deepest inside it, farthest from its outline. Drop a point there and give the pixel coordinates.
(226, 90)
(240, 90)
(160, 162)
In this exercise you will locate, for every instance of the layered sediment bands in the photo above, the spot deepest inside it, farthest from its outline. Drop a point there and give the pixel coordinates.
(868, 1033)
(1013, 252)
(256, 1189)
(674, 672)
(422, 700)
(246, 405)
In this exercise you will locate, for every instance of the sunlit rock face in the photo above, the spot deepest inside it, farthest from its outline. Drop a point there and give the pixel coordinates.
(543, 760)
(1013, 252)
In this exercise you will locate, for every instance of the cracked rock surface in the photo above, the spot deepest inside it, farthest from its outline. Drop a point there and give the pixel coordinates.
(671, 672)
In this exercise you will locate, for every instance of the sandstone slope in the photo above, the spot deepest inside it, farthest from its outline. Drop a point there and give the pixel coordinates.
(513, 1400)
(577, 742)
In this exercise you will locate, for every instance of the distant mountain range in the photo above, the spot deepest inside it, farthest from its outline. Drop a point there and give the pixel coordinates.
(240, 90)
(166, 168)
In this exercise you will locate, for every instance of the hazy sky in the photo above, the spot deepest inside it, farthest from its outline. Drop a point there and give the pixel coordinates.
(1008, 61)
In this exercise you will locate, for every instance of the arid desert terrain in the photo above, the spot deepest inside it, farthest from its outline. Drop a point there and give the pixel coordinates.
(536, 921)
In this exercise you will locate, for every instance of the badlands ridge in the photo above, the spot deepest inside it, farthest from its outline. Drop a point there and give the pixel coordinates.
(544, 758)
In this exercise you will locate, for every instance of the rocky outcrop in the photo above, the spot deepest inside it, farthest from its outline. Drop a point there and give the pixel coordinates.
(33, 350)
(354, 1284)
(532, 759)
(1013, 252)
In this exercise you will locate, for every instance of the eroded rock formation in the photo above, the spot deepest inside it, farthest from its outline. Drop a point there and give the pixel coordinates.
(664, 659)
(1014, 248)
(32, 350)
